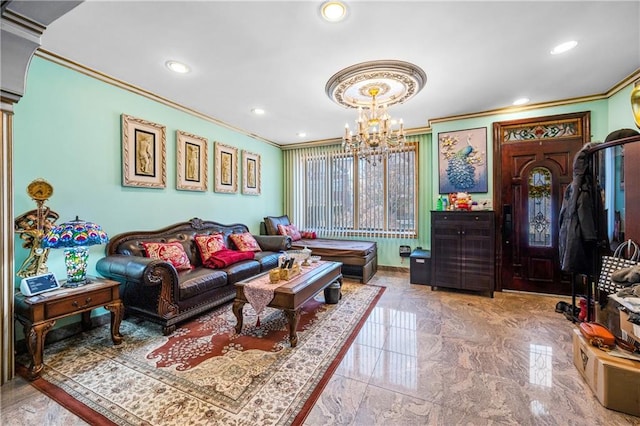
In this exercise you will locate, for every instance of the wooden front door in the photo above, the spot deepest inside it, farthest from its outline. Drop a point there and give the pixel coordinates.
(533, 166)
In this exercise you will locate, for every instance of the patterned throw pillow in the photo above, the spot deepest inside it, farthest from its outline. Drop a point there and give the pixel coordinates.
(245, 242)
(209, 244)
(290, 230)
(170, 252)
(309, 235)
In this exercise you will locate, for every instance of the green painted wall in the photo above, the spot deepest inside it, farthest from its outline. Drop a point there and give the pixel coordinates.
(67, 130)
(620, 114)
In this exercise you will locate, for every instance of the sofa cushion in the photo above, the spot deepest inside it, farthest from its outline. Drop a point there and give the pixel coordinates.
(170, 252)
(245, 242)
(209, 244)
(268, 260)
(195, 282)
(241, 271)
(271, 223)
(327, 247)
(290, 230)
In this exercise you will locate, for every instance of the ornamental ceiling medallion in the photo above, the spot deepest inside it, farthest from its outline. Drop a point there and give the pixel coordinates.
(396, 81)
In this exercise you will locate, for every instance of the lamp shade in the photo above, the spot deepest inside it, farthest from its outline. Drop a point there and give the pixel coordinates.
(75, 233)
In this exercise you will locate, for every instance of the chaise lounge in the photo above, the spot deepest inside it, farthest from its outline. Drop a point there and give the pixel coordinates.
(359, 258)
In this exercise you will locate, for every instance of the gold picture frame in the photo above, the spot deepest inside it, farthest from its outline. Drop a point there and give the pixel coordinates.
(251, 171)
(225, 169)
(192, 160)
(143, 153)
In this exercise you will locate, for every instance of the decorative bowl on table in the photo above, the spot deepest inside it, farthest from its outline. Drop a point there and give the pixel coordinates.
(314, 259)
(301, 256)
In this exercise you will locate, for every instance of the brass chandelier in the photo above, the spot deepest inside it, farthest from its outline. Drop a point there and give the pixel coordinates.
(375, 134)
(372, 87)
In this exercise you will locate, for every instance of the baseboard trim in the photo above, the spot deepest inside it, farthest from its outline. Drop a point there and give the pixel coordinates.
(393, 268)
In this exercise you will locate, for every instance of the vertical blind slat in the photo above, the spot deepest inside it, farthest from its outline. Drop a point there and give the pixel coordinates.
(337, 194)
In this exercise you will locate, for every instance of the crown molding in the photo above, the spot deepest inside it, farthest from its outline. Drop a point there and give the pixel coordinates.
(52, 57)
(105, 78)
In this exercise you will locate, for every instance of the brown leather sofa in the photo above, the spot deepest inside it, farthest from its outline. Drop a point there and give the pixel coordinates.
(359, 258)
(156, 291)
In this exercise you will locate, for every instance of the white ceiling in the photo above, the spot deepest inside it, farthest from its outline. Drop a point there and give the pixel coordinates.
(278, 55)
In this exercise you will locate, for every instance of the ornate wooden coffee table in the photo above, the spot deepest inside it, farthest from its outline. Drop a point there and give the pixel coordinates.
(292, 294)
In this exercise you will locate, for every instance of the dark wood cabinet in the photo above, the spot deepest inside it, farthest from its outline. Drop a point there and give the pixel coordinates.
(463, 250)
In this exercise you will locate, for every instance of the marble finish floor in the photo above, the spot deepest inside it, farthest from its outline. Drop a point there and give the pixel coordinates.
(430, 358)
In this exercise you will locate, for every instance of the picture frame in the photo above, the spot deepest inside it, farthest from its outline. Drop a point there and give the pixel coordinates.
(226, 169)
(251, 173)
(143, 153)
(192, 159)
(462, 161)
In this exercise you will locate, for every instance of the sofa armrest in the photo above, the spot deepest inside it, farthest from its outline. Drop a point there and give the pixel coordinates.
(273, 242)
(144, 272)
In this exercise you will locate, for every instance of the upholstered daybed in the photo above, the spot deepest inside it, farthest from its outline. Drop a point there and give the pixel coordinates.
(359, 258)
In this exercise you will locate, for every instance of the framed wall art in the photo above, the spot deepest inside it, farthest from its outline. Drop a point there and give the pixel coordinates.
(225, 168)
(462, 161)
(143, 153)
(192, 161)
(250, 173)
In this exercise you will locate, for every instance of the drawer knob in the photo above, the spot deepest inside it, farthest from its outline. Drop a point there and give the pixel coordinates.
(75, 303)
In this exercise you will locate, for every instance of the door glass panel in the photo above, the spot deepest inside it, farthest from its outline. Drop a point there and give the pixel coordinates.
(539, 208)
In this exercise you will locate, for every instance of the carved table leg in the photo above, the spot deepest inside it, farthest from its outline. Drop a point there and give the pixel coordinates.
(293, 316)
(237, 311)
(35, 334)
(116, 316)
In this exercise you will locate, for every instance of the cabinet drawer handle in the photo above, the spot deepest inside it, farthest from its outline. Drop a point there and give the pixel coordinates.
(76, 305)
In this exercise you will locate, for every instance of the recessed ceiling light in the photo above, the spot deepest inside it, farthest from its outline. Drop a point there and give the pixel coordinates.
(178, 67)
(561, 48)
(258, 111)
(333, 11)
(302, 134)
(521, 101)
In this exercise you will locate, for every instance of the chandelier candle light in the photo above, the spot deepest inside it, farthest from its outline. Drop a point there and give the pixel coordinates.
(375, 135)
(372, 87)
(75, 236)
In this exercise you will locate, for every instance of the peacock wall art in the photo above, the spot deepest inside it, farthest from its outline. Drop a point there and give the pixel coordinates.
(463, 161)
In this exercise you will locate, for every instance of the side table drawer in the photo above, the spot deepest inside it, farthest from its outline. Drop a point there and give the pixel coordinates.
(77, 303)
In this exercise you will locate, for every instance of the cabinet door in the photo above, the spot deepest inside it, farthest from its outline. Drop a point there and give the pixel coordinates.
(477, 252)
(445, 253)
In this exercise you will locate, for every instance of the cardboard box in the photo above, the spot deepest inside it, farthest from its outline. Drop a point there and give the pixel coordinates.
(631, 329)
(614, 381)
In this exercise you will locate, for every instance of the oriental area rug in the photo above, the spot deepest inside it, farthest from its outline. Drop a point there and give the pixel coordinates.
(205, 373)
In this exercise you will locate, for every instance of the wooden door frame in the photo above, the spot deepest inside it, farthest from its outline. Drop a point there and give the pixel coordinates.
(583, 120)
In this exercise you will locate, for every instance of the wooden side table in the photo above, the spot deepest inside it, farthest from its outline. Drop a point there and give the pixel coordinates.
(39, 313)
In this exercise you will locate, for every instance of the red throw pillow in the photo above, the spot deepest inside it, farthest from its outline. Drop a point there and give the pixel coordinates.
(309, 235)
(170, 252)
(209, 244)
(245, 242)
(290, 230)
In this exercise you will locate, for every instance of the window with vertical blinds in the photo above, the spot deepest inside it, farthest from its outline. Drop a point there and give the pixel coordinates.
(338, 194)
